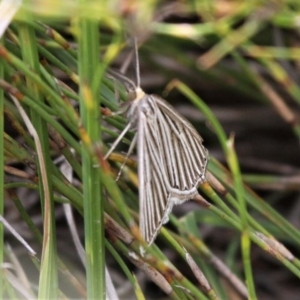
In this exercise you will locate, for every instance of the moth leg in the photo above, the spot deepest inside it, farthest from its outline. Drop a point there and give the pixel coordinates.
(131, 147)
(117, 141)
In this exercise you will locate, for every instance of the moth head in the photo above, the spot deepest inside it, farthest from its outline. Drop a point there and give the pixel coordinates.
(134, 93)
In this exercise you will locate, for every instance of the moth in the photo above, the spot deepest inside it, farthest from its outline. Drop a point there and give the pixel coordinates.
(171, 157)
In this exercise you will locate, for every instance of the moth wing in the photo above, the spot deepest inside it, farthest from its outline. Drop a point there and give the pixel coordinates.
(171, 163)
(153, 193)
(184, 155)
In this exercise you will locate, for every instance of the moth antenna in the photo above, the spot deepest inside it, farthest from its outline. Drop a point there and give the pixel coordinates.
(129, 84)
(137, 63)
(131, 147)
(126, 62)
(128, 59)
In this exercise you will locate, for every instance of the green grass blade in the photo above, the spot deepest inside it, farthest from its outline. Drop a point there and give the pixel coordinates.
(48, 276)
(88, 62)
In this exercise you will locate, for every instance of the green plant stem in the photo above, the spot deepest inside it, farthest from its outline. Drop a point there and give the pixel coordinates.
(88, 41)
(242, 207)
(48, 288)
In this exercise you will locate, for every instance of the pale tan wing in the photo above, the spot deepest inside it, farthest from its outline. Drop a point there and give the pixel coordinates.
(185, 156)
(171, 163)
(153, 193)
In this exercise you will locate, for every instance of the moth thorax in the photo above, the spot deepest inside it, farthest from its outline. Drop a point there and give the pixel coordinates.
(139, 94)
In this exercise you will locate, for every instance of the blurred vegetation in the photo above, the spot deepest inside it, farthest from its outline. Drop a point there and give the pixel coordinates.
(231, 68)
